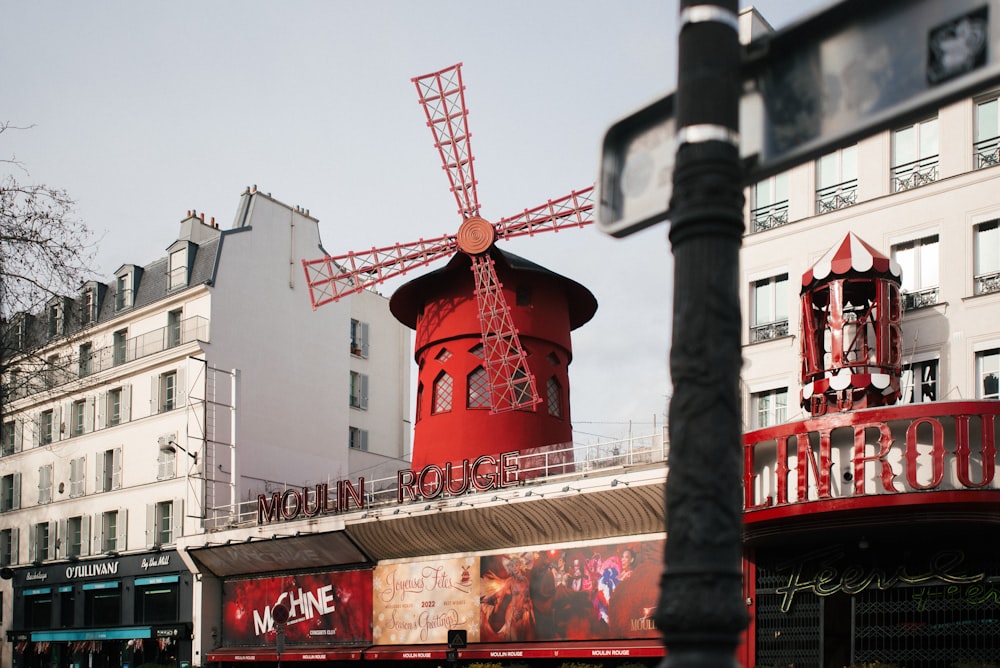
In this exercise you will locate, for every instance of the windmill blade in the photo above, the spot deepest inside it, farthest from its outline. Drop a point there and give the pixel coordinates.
(443, 98)
(574, 210)
(511, 382)
(332, 277)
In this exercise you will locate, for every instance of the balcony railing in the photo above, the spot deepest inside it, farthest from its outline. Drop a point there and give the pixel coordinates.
(533, 468)
(770, 216)
(986, 152)
(920, 299)
(67, 368)
(914, 174)
(837, 197)
(987, 283)
(768, 331)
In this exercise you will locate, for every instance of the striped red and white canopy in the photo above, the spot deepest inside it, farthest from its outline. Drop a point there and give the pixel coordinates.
(852, 255)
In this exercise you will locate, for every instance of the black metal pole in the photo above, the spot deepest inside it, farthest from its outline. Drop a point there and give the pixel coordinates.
(701, 610)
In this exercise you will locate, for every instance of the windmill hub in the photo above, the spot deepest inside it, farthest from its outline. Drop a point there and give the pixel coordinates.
(475, 235)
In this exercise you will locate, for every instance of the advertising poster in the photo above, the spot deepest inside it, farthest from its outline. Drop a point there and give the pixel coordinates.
(581, 593)
(323, 608)
(417, 602)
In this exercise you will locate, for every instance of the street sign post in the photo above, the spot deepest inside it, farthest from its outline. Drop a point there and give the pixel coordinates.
(853, 69)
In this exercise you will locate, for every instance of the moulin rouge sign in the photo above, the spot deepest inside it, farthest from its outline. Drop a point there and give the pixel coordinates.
(893, 450)
(485, 473)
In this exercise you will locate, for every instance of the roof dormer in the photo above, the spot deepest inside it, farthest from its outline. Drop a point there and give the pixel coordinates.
(91, 297)
(126, 286)
(180, 259)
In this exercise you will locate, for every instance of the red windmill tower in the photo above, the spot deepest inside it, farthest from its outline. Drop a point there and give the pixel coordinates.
(438, 312)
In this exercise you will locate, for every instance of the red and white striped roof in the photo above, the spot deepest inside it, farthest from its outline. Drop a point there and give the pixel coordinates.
(851, 255)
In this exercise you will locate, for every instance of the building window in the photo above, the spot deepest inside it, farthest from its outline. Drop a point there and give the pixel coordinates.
(173, 328)
(167, 392)
(357, 439)
(162, 523)
(441, 400)
(919, 382)
(41, 539)
(46, 421)
(359, 338)
(553, 392)
(8, 547)
(478, 389)
(53, 375)
(166, 465)
(444, 355)
(769, 305)
(102, 603)
(837, 180)
(769, 208)
(74, 538)
(986, 266)
(45, 484)
(359, 390)
(77, 476)
(108, 538)
(88, 305)
(85, 359)
(123, 292)
(915, 155)
(114, 407)
(56, 320)
(988, 374)
(38, 608)
(478, 350)
(986, 149)
(118, 347)
(156, 599)
(78, 411)
(178, 276)
(10, 492)
(109, 470)
(769, 408)
(10, 438)
(918, 261)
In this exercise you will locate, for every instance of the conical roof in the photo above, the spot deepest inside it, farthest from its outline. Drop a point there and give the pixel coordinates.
(851, 256)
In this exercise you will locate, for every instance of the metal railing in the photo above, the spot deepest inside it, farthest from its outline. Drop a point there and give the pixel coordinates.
(986, 152)
(836, 197)
(543, 465)
(60, 370)
(987, 283)
(920, 299)
(768, 331)
(770, 216)
(914, 174)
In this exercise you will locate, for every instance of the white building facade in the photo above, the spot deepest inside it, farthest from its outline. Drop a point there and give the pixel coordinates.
(191, 383)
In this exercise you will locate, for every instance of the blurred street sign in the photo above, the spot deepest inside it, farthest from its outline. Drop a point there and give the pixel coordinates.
(853, 69)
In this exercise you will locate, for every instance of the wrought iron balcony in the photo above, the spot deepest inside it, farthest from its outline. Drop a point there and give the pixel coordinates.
(836, 197)
(768, 331)
(770, 216)
(914, 174)
(987, 283)
(920, 299)
(986, 153)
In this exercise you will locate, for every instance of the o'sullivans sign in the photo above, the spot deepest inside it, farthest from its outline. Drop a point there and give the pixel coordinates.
(891, 450)
(485, 473)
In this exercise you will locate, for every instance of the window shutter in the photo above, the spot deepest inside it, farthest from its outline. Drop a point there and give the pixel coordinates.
(88, 415)
(98, 533)
(36, 438)
(58, 431)
(126, 405)
(52, 539)
(122, 529)
(85, 535)
(16, 501)
(61, 543)
(154, 395)
(102, 410)
(364, 339)
(116, 472)
(364, 439)
(32, 542)
(15, 539)
(18, 435)
(177, 529)
(99, 473)
(150, 524)
(180, 389)
(364, 391)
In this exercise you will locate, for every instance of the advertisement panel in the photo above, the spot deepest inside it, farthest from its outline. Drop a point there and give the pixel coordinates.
(582, 593)
(417, 602)
(322, 608)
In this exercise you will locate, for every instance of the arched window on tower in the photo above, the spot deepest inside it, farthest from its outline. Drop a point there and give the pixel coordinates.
(477, 389)
(553, 392)
(420, 398)
(443, 388)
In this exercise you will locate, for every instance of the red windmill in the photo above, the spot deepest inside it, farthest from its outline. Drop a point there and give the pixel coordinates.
(511, 383)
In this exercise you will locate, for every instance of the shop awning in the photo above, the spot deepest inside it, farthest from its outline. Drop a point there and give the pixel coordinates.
(407, 652)
(123, 633)
(252, 654)
(591, 649)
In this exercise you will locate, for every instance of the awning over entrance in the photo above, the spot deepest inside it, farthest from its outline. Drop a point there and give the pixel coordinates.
(406, 652)
(278, 553)
(592, 649)
(253, 654)
(123, 633)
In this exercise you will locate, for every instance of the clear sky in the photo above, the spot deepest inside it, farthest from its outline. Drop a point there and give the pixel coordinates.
(144, 110)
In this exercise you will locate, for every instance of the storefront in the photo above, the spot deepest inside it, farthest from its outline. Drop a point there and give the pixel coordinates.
(104, 613)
